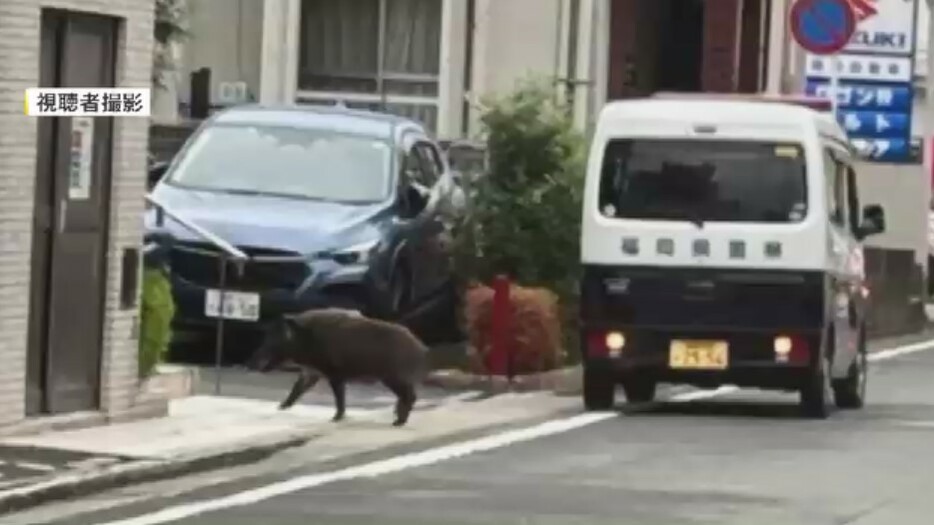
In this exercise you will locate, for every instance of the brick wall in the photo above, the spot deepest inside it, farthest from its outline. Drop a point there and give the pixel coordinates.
(19, 60)
(751, 61)
(721, 45)
(623, 17)
(633, 26)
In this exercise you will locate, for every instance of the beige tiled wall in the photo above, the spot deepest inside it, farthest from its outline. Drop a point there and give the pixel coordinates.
(19, 60)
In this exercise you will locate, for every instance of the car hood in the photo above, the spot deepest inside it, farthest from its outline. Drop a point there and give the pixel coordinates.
(296, 225)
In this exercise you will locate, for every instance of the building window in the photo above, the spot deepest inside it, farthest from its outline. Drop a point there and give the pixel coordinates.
(372, 54)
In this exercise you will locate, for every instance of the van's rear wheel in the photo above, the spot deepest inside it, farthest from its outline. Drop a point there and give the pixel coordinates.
(599, 389)
(817, 393)
(850, 393)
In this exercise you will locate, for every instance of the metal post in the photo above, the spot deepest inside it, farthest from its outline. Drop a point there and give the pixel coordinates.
(500, 328)
(219, 342)
(381, 60)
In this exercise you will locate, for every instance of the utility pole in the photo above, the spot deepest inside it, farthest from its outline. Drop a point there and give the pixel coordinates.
(778, 38)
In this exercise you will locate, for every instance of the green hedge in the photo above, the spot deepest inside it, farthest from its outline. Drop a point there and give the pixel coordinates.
(524, 213)
(157, 309)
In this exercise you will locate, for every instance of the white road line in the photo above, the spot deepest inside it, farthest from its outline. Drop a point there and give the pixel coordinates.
(430, 456)
(370, 470)
(890, 353)
(34, 466)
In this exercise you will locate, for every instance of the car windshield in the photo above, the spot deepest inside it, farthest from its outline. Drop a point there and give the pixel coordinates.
(285, 161)
(703, 180)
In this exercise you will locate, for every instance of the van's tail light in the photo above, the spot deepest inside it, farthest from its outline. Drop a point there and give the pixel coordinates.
(605, 343)
(791, 349)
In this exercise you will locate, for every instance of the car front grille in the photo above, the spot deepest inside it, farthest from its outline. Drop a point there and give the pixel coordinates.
(272, 269)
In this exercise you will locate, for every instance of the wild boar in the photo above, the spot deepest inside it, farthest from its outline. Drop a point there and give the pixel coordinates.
(344, 346)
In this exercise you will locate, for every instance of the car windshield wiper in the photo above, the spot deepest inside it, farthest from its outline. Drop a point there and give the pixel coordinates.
(697, 220)
(260, 193)
(242, 192)
(693, 217)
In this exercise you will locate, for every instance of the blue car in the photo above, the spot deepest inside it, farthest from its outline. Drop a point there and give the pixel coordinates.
(334, 207)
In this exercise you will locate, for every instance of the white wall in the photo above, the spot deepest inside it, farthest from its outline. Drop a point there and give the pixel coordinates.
(518, 39)
(226, 36)
(904, 192)
(515, 38)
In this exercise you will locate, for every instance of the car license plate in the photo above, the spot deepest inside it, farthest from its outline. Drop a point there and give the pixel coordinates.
(699, 355)
(238, 306)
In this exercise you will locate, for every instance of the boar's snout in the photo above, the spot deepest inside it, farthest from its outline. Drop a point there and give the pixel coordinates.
(262, 360)
(274, 349)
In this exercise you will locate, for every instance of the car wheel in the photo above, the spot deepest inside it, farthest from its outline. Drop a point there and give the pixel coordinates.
(599, 389)
(817, 393)
(639, 390)
(850, 393)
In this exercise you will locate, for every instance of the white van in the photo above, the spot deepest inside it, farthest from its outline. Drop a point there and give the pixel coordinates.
(721, 245)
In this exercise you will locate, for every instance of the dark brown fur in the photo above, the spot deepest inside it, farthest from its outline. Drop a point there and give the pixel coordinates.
(345, 347)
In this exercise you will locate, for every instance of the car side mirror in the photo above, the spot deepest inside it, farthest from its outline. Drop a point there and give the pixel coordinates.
(873, 221)
(156, 172)
(412, 202)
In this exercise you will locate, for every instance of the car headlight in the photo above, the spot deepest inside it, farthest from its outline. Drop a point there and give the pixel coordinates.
(357, 254)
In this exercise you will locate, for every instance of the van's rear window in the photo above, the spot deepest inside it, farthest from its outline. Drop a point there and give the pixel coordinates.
(703, 181)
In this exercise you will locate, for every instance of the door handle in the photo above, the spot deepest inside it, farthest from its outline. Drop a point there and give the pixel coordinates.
(62, 214)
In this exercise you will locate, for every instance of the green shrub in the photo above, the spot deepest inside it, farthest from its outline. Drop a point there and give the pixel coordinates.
(524, 214)
(157, 309)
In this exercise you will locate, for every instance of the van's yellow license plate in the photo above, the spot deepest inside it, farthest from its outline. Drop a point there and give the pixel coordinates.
(699, 355)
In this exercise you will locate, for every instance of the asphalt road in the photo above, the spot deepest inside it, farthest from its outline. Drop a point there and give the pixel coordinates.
(739, 458)
(20, 465)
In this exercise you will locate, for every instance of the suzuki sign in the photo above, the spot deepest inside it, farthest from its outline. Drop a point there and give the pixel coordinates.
(886, 27)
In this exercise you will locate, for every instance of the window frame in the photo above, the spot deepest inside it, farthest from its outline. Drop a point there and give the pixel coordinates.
(378, 97)
(835, 182)
(853, 202)
(621, 142)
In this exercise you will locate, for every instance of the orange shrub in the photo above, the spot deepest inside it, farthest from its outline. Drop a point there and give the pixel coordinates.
(535, 333)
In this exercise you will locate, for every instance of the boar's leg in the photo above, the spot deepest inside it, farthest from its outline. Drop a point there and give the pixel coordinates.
(304, 383)
(337, 386)
(405, 400)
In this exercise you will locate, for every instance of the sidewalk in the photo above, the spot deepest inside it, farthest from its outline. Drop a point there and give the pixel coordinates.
(200, 432)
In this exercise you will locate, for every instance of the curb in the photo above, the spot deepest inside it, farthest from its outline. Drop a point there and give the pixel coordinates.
(145, 470)
(563, 381)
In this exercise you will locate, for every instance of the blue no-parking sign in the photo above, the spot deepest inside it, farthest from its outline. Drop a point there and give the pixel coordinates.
(822, 27)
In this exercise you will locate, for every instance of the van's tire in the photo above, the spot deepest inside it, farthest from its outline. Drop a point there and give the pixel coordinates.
(599, 389)
(850, 393)
(639, 390)
(817, 392)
